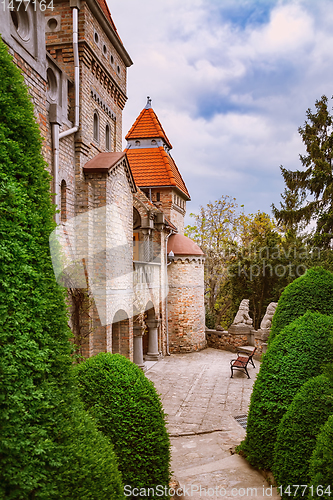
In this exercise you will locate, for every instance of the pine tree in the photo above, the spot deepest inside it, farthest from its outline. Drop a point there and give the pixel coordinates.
(315, 180)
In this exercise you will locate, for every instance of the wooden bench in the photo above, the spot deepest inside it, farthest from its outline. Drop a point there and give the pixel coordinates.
(241, 362)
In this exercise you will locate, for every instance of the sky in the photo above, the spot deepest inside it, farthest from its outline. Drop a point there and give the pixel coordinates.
(230, 81)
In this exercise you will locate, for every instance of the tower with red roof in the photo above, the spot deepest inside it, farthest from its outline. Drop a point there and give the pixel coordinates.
(153, 168)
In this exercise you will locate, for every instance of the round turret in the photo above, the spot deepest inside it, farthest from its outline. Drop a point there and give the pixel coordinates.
(186, 310)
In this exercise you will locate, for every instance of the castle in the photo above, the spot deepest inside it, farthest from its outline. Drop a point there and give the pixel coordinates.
(121, 213)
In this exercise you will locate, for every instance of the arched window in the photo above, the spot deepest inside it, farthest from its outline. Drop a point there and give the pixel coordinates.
(107, 138)
(96, 127)
(63, 205)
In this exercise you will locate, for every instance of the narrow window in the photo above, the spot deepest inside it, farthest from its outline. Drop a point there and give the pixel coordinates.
(96, 127)
(63, 207)
(107, 137)
(158, 196)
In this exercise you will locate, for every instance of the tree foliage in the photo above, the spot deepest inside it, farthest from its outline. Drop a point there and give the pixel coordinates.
(246, 257)
(316, 178)
(43, 425)
(214, 230)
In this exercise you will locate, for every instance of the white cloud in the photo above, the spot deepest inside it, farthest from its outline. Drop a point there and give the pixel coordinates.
(229, 95)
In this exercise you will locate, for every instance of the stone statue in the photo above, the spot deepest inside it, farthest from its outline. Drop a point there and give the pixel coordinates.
(267, 319)
(242, 317)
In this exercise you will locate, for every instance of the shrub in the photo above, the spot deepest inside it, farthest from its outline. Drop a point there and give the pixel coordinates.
(298, 429)
(311, 292)
(128, 410)
(39, 408)
(321, 463)
(88, 469)
(294, 356)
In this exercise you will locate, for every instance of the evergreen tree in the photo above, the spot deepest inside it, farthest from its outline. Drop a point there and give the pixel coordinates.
(315, 179)
(49, 447)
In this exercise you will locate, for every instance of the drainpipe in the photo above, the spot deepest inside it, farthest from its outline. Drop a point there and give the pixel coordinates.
(166, 298)
(76, 76)
(56, 136)
(55, 139)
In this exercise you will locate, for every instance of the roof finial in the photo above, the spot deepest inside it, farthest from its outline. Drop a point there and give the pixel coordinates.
(148, 105)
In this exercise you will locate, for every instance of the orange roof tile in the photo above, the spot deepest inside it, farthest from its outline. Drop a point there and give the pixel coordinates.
(152, 167)
(146, 126)
(104, 6)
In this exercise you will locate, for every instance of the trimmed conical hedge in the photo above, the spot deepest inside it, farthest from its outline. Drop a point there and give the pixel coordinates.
(298, 430)
(311, 292)
(128, 410)
(321, 464)
(295, 355)
(49, 447)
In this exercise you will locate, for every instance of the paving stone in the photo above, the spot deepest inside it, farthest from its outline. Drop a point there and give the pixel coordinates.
(202, 400)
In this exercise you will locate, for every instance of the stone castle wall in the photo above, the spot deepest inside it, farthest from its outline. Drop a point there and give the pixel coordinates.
(186, 304)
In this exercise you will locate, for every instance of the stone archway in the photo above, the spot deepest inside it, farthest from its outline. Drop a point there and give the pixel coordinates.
(120, 334)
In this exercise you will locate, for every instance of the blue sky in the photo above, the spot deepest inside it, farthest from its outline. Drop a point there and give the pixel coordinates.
(230, 81)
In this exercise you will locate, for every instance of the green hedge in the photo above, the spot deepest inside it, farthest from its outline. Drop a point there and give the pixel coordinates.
(295, 356)
(311, 292)
(321, 463)
(128, 410)
(39, 408)
(298, 430)
(87, 467)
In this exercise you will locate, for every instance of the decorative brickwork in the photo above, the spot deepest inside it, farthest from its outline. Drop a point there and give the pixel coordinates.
(120, 282)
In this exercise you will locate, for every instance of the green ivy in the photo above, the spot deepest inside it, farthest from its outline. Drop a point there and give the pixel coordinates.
(48, 443)
(128, 411)
(294, 356)
(298, 430)
(311, 292)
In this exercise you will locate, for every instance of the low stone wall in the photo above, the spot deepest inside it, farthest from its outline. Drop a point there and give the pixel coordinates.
(230, 341)
(225, 340)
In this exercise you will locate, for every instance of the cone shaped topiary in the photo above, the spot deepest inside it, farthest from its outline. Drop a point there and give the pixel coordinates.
(48, 443)
(298, 430)
(296, 355)
(321, 464)
(128, 411)
(311, 292)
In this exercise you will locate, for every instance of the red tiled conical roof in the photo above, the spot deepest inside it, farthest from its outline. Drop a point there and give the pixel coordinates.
(146, 126)
(153, 167)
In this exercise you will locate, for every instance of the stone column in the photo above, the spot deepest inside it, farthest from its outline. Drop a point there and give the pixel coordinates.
(152, 354)
(138, 346)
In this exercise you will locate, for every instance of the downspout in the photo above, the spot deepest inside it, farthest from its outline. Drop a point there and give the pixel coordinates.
(166, 298)
(55, 139)
(56, 136)
(76, 76)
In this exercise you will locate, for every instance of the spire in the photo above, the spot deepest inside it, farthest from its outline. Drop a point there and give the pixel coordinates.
(148, 105)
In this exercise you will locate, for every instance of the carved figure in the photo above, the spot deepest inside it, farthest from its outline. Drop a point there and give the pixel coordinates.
(267, 319)
(242, 317)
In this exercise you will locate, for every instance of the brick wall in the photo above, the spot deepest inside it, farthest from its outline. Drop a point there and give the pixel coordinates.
(173, 206)
(186, 304)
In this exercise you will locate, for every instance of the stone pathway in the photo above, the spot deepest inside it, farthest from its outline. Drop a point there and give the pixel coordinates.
(201, 401)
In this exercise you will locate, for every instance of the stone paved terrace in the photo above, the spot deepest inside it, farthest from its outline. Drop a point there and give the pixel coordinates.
(201, 401)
